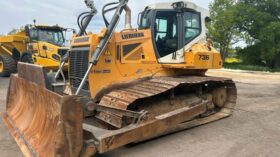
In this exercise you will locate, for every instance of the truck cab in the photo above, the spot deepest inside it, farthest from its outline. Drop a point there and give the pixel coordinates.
(46, 46)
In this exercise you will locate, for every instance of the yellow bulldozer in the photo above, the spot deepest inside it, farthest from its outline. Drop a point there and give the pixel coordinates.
(124, 87)
(36, 44)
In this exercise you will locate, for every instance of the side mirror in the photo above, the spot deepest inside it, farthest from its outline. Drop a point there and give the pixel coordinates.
(207, 19)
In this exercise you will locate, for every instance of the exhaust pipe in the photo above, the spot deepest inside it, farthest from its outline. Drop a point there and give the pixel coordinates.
(127, 17)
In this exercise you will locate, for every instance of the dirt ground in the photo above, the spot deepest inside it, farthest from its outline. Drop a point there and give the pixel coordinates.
(252, 131)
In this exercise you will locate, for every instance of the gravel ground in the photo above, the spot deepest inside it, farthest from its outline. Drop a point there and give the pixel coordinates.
(252, 131)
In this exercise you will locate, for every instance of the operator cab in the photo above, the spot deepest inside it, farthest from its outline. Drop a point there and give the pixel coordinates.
(175, 27)
(50, 34)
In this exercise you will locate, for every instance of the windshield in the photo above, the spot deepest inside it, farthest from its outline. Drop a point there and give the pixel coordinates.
(51, 36)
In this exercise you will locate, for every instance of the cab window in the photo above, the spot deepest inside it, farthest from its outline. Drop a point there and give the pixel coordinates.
(162, 28)
(52, 36)
(192, 26)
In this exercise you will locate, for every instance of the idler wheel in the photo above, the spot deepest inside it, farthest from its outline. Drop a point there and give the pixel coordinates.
(219, 96)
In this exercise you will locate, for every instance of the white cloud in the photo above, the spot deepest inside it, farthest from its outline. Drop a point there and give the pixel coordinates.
(17, 13)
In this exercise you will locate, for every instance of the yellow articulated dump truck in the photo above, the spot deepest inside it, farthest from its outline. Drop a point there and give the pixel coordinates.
(36, 44)
(124, 87)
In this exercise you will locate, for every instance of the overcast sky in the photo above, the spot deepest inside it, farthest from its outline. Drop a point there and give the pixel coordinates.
(17, 13)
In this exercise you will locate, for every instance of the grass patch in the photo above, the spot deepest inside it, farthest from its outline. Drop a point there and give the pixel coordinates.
(241, 66)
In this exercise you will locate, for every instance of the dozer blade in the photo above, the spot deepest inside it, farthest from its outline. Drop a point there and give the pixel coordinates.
(43, 123)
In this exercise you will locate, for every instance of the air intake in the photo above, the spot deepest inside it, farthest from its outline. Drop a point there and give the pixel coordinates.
(79, 62)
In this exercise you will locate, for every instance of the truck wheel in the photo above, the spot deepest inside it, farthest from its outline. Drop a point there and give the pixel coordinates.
(27, 58)
(7, 65)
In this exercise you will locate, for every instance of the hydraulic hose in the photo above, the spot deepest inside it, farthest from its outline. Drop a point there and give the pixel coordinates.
(79, 17)
(103, 43)
(104, 11)
(82, 24)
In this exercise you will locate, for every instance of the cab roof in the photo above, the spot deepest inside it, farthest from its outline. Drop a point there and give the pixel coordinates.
(169, 5)
(46, 27)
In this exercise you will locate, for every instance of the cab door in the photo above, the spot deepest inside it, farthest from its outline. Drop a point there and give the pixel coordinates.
(168, 40)
(35, 46)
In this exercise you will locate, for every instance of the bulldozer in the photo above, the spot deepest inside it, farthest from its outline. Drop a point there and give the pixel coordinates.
(37, 44)
(124, 86)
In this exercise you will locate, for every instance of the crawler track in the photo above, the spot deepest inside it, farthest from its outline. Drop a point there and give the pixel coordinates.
(143, 95)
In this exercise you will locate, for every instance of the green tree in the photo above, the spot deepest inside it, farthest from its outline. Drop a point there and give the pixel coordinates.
(261, 21)
(223, 29)
(13, 31)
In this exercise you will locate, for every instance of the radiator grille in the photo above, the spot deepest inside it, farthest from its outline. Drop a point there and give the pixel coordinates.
(79, 62)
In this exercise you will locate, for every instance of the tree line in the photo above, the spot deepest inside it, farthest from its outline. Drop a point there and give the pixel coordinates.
(255, 22)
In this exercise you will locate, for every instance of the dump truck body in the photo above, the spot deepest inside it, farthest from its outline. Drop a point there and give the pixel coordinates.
(123, 87)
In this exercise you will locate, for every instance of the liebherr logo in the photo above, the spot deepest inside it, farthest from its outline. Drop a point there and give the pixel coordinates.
(130, 36)
(81, 40)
